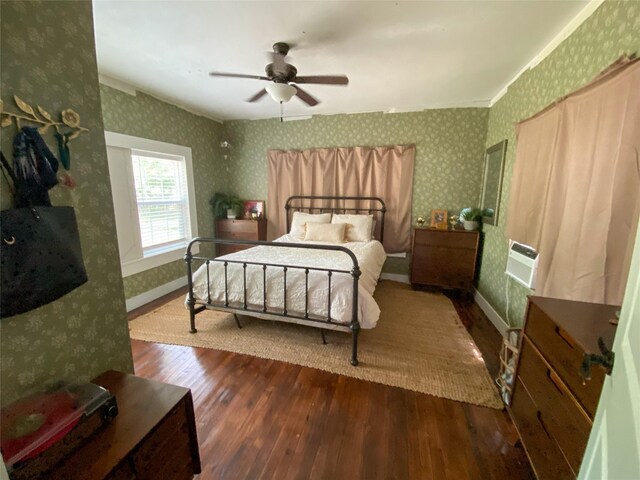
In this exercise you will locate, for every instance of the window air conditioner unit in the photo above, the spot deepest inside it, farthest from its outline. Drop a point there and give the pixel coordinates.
(522, 264)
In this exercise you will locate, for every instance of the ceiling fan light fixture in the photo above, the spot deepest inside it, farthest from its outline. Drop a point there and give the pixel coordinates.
(281, 92)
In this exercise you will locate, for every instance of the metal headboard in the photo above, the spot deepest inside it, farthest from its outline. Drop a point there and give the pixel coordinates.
(308, 204)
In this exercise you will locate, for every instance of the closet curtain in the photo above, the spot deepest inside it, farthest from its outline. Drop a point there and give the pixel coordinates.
(575, 193)
(385, 172)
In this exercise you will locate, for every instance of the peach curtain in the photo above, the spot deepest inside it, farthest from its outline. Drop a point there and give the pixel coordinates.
(575, 193)
(385, 172)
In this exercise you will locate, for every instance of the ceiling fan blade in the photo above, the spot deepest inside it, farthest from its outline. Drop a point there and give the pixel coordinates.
(238, 75)
(323, 79)
(306, 97)
(258, 96)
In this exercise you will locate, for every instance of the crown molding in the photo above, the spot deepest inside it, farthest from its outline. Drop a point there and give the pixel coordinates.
(129, 89)
(117, 84)
(568, 29)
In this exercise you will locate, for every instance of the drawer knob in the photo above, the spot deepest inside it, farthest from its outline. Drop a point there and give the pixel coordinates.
(606, 359)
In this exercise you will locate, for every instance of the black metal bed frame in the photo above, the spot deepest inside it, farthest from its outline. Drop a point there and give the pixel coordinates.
(293, 203)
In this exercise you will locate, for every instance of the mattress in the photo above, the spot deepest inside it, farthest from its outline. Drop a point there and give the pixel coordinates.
(370, 255)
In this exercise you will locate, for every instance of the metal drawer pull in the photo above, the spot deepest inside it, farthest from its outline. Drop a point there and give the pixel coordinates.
(11, 241)
(606, 360)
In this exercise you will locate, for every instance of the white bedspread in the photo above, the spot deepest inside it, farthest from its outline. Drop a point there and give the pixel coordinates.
(370, 255)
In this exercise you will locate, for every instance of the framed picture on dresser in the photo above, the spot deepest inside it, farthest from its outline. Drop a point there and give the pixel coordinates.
(253, 209)
(439, 219)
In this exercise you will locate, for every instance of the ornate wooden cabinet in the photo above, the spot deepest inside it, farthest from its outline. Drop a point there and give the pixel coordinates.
(553, 404)
(239, 230)
(444, 258)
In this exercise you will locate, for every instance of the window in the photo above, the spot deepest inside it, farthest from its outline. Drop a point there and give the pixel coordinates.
(153, 198)
(161, 196)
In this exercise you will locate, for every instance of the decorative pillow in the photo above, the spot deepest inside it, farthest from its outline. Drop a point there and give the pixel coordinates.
(300, 219)
(325, 232)
(358, 227)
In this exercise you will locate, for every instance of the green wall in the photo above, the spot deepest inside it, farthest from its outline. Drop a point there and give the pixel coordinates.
(614, 29)
(449, 152)
(48, 59)
(147, 117)
(450, 143)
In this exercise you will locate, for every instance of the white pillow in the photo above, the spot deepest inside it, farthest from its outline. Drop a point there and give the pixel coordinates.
(358, 227)
(300, 219)
(325, 232)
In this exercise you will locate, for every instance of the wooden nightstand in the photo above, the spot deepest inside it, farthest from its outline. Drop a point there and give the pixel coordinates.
(239, 230)
(444, 258)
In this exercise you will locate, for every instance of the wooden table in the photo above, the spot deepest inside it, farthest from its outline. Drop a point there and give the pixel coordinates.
(153, 436)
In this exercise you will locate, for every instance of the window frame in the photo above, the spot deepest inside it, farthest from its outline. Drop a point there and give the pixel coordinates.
(165, 246)
(137, 145)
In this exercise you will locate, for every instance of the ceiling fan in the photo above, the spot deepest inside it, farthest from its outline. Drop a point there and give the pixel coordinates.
(285, 79)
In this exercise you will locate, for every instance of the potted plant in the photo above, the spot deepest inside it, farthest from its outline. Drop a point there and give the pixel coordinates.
(225, 205)
(470, 218)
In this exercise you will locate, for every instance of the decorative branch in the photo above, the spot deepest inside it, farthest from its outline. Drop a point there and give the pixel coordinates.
(68, 117)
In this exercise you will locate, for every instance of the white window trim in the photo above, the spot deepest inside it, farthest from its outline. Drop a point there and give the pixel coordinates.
(170, 253)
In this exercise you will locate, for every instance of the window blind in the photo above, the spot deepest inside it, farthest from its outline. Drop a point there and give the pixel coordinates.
(161, 197)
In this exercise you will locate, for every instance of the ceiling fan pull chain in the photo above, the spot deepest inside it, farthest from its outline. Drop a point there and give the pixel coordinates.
(281, 111)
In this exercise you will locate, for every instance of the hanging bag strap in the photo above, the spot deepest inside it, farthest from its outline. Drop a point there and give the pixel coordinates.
(19, 199)
(8, 170)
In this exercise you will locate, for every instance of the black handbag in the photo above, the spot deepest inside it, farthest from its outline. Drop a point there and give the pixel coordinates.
(40, 256)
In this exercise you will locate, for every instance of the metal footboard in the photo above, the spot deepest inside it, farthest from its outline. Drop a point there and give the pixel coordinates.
(305, 318)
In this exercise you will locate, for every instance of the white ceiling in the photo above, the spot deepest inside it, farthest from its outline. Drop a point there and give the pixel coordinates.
(398, 56)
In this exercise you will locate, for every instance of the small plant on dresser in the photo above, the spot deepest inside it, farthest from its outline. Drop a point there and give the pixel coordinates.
(225, 205)
(470, 218)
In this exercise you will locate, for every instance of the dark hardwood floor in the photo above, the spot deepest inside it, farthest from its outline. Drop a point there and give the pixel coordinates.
(260, 418)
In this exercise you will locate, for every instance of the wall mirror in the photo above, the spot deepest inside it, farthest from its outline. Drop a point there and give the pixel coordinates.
(492, 184)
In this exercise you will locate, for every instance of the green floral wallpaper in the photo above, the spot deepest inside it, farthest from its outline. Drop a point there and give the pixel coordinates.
(48, 59)
(614, 29)
(85, 332)
(147, 117)
(449, 152)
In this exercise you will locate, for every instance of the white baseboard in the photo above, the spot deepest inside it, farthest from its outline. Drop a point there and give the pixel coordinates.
(151, 295)
(491, 313)
(396, 277)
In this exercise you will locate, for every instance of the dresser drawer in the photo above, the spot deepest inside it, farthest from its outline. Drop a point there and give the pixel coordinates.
(446, 239)
(236, 226)
(558, 412)
(160, 437)
(545, 455)
(166, 449)
(172, 462)
(557, 346)
(232, 235)
(443, 267)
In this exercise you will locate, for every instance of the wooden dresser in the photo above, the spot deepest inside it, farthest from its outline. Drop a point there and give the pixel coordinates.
(444, 258)
(239, 230)
(552, 405)
(153, 436)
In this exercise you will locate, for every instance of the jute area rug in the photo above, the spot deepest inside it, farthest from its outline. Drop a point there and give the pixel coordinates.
(419, 344)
